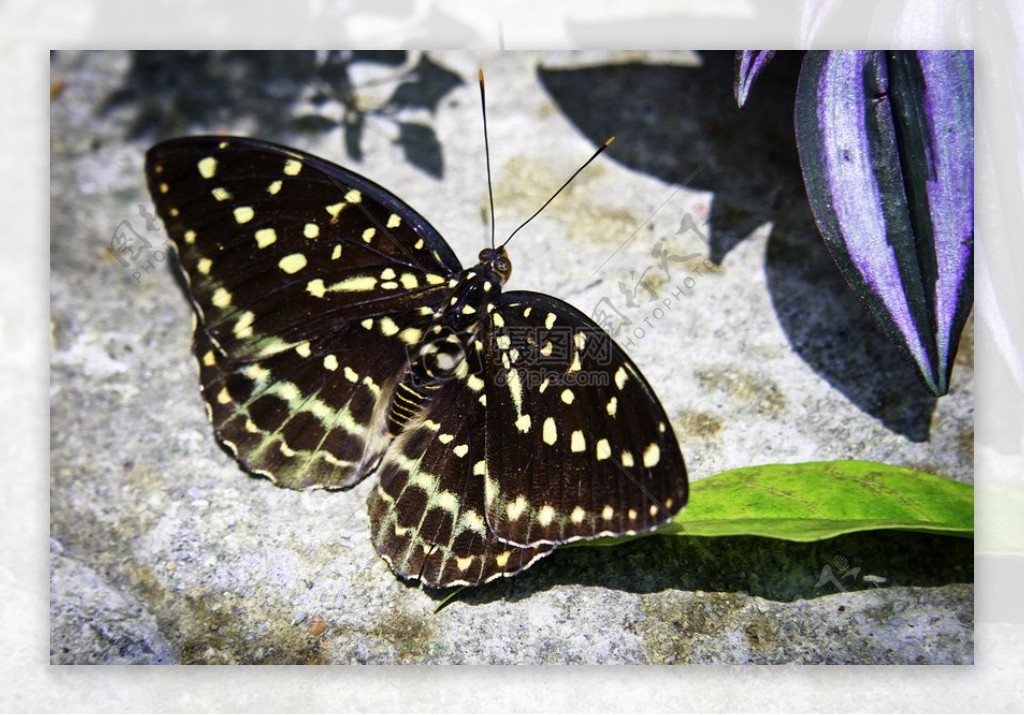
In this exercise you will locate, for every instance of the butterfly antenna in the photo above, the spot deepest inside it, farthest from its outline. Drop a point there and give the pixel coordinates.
(487, 153)
(607, 143)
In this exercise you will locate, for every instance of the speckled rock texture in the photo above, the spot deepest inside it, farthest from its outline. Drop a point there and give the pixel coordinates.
(693, 236)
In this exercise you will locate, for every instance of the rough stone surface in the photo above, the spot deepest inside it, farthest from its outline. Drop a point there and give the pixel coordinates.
(163, 550)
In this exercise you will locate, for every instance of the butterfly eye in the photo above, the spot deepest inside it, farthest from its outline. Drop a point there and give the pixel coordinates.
(502, 265)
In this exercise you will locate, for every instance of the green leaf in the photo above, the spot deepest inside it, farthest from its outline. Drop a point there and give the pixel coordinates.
(820, 500)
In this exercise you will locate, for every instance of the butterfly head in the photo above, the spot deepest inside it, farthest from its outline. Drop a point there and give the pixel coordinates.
(497, 260)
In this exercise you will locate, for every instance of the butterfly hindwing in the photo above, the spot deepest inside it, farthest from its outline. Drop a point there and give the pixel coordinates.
(311, 285)
(578, 445)
(427, 514)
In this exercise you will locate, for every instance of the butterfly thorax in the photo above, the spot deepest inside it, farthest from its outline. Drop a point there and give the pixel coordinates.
(450, 349)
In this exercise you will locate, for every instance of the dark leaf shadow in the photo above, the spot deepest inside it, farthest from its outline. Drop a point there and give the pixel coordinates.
(681, 124)
(771, 569)
(284, 95)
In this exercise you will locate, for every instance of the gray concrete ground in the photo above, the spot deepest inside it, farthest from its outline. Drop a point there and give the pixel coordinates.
(163, 550)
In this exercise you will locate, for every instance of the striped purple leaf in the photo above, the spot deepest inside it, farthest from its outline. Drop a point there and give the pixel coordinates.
(886, 142)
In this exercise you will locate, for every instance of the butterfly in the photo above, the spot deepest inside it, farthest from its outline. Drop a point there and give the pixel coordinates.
(338, 336)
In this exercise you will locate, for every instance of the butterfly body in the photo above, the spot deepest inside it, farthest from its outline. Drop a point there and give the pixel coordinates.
(337, 335)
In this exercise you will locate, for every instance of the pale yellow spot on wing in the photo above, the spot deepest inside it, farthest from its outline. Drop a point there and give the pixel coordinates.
(303, 349)
(244, 214)
(651, 455)
(575, 366)
(207, 167)
(310, 230)
(577, 515)
(331, 363)
(356, 284)
(265, 237)
(335, 209)
(604, 450)
(387, 326)
(368, 323)
(223, 397)
(292, 167)
(353, 196)
(190, 236)
(274, 187)
(550, 431)
(243, 328)
(387, 274)
(316, 288)
(627, 458)
(516, 508)
(567, 396)
(369, 233)
(523, 423)
(410, 336)
(336, 253)
(221, 298)
(209, 359)
(549, 321)
(409, 281)
(394, 220)
(475, 383)
(204, 265)
(620, 378)
(545, 515)
(480, 468)
(462, 450)
(221, 194)
(501, 560)
(434, 279)
(292, 263)
(577, 442)
(463, 562)
(351, 374)
(607, 513)
(613, 406)
(164, 188)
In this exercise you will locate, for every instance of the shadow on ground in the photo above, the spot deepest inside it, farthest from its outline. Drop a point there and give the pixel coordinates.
(767, 568)
(681, 124)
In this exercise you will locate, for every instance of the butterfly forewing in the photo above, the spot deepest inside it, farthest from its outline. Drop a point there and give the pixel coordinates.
(578, 445)
(311, 285)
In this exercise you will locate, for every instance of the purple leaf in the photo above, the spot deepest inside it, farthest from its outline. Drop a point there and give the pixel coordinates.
(749, 64)
(886, 144)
